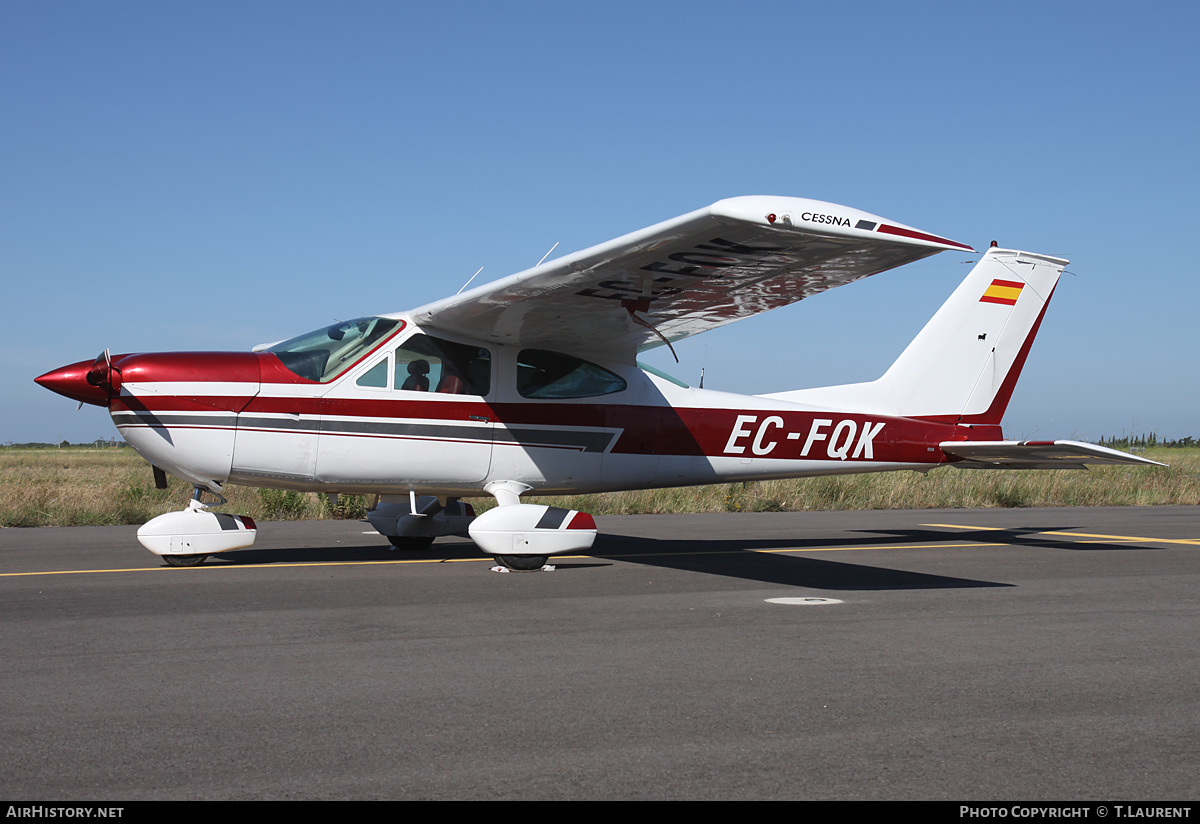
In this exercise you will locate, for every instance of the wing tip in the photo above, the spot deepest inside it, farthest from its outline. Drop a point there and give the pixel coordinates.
(782, 213)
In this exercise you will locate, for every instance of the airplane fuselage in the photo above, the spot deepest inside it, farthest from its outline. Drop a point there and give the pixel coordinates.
(217, 418)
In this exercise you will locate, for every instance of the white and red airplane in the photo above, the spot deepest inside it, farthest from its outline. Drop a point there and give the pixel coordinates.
(530, 385)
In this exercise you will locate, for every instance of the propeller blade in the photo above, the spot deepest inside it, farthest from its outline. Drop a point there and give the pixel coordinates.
(100, 375)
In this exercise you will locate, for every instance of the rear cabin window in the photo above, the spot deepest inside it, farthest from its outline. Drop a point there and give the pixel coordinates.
(553, 375)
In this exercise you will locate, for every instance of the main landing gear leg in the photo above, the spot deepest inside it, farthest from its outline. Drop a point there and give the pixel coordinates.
(412, 522)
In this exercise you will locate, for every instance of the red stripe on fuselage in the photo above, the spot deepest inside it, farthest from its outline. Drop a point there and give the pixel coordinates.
(644, 430)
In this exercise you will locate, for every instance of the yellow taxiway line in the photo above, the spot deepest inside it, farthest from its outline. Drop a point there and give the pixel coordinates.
(1102, 538)
(247, 566)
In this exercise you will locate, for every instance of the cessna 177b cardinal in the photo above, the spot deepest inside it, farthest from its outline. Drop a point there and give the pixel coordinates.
(530, 386)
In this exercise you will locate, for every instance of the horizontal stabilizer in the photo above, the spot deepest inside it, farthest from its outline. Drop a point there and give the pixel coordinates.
(1036, 455)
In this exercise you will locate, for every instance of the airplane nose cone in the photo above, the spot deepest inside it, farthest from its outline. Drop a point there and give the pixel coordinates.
(72, 382)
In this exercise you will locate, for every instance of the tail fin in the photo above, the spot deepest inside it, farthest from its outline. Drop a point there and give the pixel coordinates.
(963, 365)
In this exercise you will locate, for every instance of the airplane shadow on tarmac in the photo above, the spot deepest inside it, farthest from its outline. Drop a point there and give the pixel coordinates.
(744, 558)
(446, 549)
(750, 558)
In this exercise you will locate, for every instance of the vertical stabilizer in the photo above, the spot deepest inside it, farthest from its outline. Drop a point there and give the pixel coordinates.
(963, 365)
(965, 362)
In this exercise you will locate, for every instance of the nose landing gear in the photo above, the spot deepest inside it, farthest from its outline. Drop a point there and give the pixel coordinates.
(187, 538)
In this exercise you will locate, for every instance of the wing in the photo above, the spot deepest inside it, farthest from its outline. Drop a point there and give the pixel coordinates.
(1036, 455)
(710, 267)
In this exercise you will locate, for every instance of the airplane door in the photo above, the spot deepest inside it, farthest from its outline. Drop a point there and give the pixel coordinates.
(276, 438)
(413, 416)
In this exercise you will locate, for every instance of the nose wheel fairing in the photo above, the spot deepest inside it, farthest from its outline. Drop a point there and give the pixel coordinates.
(196, 532)
(522, 537)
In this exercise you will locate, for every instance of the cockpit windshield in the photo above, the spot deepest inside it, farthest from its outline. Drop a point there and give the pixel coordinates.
(326, 353)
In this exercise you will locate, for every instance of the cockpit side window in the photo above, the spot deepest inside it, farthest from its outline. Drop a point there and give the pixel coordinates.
(326, 353)
(428, 364)
(376, 377)
(543, 374)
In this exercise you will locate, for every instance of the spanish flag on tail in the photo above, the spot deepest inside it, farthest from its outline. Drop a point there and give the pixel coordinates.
(1004, 292)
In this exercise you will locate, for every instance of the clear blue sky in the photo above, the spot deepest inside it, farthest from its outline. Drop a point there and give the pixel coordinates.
(212, 175)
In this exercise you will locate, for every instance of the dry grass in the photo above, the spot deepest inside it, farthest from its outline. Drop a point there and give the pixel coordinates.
(76, 486)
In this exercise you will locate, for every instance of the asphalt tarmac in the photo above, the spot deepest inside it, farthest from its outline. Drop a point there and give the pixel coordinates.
(1021, 654)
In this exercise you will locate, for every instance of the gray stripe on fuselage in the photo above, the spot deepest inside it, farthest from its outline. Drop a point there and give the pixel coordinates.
(167, 419)
(585, 440)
